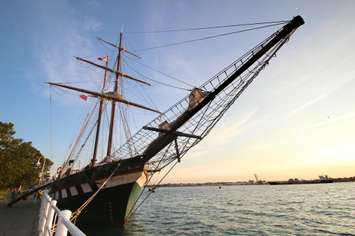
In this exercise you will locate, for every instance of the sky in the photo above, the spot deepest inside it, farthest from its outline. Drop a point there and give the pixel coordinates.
(297, 120)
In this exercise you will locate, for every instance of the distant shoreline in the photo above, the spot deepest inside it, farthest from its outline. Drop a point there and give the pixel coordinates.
(285, 182)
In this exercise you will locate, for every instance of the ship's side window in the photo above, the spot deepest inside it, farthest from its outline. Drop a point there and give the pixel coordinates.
(86, 188)
(64, 193)
(73, 191)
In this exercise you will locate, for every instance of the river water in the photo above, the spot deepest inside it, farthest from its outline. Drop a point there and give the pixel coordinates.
(314, 209)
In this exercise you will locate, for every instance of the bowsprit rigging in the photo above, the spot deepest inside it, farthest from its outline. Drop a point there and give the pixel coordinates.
(109, 189)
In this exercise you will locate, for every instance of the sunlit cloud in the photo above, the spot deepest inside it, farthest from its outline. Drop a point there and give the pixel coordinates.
(318, 98)
(92, 24)
(231, 130)
(308, 104)
(335, 120)
(55, 46)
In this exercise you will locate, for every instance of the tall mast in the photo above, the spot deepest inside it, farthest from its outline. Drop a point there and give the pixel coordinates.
(113, 106)
(93, 160)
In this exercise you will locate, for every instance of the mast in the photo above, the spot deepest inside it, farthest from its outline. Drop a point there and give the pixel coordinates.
(93, 160)
(113, 106)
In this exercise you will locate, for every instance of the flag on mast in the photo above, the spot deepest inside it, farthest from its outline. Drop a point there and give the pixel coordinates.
(104, 58)
(83, 97)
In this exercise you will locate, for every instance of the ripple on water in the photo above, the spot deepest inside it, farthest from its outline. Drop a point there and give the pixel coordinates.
(326, 209)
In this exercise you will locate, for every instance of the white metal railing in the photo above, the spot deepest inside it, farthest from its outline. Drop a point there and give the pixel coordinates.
(50, 215)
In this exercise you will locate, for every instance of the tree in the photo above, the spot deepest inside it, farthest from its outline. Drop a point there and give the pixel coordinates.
(20, 162)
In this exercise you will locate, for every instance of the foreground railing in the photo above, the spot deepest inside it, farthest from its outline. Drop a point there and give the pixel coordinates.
(52, 220)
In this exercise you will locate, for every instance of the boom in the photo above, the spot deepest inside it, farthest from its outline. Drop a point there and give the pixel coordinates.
(216, 96)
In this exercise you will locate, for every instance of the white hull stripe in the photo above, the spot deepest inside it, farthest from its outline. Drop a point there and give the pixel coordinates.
(124, 179)
(73, 191)
(139, 177)
(86, 187)
(64, 193)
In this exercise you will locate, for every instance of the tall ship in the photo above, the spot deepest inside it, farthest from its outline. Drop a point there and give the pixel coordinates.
(108, 190)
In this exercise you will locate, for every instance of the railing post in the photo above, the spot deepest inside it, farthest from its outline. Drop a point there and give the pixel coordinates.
(61, 228)
(49, 219)
(45, 204)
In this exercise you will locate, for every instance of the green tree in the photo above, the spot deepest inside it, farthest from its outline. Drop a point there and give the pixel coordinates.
(20, 162)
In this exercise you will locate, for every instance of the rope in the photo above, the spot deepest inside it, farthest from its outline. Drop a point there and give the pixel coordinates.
(156, 81)
(205, 38)
(150, 178)
(203, 28)
(81, 133)
(50, 133)
(152, 189)
(91, 198)
(163, 73)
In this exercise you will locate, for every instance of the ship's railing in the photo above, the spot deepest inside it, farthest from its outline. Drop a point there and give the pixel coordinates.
(53, 221)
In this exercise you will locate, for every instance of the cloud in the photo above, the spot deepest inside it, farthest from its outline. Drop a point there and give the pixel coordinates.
(92, 25)
(58, 36)
(319, 98)
(229, 131)
(335, 120)
(93, 3)
(308, 104)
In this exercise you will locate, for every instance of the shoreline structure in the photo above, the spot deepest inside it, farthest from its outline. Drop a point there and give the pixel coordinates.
(262, 182)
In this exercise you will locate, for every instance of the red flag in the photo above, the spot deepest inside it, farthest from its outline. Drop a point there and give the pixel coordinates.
(84, 97)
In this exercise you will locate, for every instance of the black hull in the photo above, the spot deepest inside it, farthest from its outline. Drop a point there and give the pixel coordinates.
(107, 209)
(112, 205)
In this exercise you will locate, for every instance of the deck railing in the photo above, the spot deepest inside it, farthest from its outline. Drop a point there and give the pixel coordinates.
(53, 221)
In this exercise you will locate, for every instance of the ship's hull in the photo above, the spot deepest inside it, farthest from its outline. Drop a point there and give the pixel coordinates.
(113, 203)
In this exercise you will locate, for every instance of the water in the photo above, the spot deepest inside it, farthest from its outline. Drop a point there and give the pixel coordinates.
(316, 209)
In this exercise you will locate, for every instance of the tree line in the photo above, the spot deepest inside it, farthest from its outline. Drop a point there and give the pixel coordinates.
(20, 162)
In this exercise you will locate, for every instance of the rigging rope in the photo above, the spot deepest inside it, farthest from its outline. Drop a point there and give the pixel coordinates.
(205, 38)
(163, 73)
(81, 133)
(89, 200)
(152, 189)
(125, 125)
(204, 28)
(84, 143)
(142, 93)
(156, 81)
(50, 134)
(150, 178)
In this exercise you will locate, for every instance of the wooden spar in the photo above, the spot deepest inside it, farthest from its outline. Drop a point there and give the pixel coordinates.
(105, 96)
(115, 46)
(28, 193)
(109, 43)
(162, 141)
(117, 72)
(93, 160)
(113, 106)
